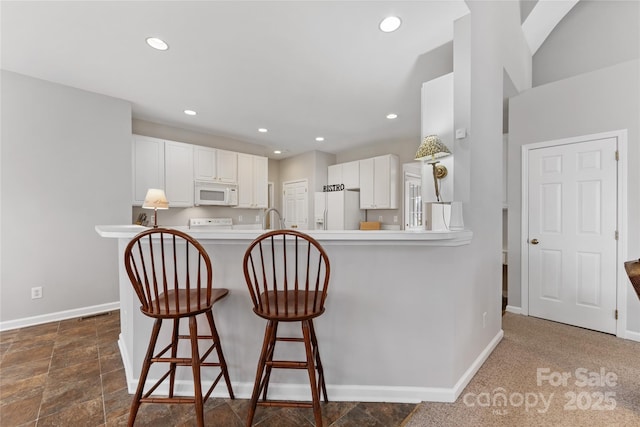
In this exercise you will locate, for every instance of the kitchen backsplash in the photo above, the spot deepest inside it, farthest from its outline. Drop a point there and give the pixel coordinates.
(180, 216)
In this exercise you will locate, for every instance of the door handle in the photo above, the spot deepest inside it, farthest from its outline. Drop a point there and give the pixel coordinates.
(534, 241)
(294, 226)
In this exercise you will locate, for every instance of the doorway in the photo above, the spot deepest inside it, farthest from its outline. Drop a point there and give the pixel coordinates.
(295, 204)
(571, 242)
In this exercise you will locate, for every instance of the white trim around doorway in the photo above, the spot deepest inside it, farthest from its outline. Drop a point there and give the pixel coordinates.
(622, 226)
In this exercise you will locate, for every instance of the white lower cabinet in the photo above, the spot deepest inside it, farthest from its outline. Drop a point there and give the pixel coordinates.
(379, 182)
(179, 174)
(252, 181)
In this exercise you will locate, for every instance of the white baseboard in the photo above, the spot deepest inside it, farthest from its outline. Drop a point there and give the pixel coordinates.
(475, 366)
(633, 336)
(337, 393)
(60, 315)
(513, 309)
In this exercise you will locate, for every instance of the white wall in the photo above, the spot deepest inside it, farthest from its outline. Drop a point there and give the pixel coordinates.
(157, 130)
(595, 102)
(486, 42)
(66, 166)
(593, 35)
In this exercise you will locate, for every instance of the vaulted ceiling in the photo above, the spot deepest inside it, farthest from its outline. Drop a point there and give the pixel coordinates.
(301, 70)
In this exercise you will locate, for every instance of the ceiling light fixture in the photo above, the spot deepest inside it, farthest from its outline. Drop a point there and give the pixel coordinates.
(390, 24)
(392, 116)
(277, 152)
(157, 43)
(190, 112)
(263, 130)
(320, 139)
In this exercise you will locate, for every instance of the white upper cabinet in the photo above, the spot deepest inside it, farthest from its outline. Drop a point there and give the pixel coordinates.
(351, 175)
(148, 166)
(252, 181)
(204, 163)
(334, 174)
(345, 173)
(227, 166)
(179, 174)
(211, 164)
(379, 182)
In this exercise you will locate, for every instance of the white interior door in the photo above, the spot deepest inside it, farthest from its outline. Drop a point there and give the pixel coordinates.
(572, 242)
(296, 202)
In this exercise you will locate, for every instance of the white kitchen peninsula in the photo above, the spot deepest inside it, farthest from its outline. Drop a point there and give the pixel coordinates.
(388, 330)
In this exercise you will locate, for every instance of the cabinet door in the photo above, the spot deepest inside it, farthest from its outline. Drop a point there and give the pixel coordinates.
(366, 184)
(179, 174)
(351, 175)
(381, 182)
(204, 163)
(227, 166)
(334, 174)
(245, 180)
(148, 166)
(261, 178)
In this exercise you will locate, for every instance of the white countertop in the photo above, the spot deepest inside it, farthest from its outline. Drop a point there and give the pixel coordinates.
(434, 238)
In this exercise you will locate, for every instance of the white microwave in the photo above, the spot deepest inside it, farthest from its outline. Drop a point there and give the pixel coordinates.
(211, 193)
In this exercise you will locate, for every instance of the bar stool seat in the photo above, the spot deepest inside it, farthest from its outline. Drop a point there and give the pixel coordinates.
(287, 273)
(172, 276)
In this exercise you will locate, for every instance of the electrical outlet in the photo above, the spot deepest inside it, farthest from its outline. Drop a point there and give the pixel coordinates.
(380, 218)
(395, 218)
(257, 219)
(239, 218)
(36, 292)
(484, 319)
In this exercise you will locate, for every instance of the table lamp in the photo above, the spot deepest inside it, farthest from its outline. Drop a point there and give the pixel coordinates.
(155, 199)
(431, 149)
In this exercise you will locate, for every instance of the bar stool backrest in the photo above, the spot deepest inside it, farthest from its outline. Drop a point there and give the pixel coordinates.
(287, 273)
(160, 262)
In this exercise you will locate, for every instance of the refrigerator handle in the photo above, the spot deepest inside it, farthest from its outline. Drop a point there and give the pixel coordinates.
(324, 216)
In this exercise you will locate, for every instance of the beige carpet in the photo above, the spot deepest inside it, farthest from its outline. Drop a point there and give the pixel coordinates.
(546, 374)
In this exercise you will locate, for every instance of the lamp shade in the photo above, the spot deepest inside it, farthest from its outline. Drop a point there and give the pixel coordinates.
(431, 148)
(155, 199)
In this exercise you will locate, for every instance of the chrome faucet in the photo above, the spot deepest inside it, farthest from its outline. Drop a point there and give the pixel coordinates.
(264, 218)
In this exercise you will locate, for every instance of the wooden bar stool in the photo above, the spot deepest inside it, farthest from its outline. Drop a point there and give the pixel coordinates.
(172, 276)
(287, 273)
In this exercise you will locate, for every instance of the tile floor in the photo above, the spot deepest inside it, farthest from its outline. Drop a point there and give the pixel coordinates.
(70, 373)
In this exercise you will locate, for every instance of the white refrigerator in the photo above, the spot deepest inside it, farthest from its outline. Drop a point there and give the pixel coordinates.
(337, 210)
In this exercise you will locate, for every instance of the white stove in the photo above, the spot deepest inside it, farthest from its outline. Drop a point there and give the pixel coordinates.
(204, 224)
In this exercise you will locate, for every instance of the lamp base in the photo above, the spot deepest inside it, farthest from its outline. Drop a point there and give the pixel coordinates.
(437, 216)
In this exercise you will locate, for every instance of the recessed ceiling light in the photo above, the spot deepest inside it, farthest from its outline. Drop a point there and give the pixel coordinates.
(190, 112)
(319, 139)
(392, 116)
(277, 152)
(262, 130)
(390, 24)
(157, 43)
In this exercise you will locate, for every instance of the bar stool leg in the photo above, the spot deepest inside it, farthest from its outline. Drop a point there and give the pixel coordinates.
(272, 347)
(135, 404)
(317, 412)
(195, 366)
(268, 332)
(223, 363)
(174, 354)
(314, 342)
